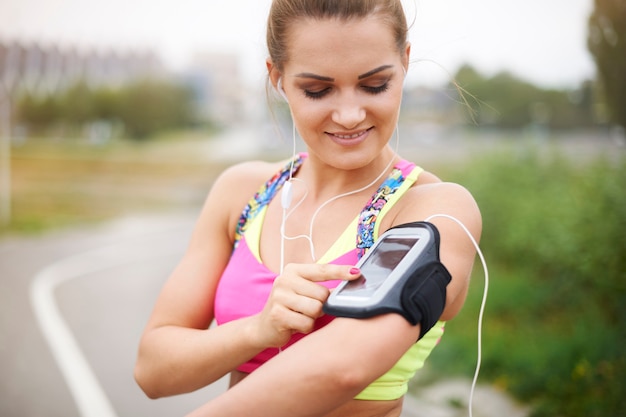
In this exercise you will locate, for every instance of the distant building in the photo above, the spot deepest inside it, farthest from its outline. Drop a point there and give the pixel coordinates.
(47, 69)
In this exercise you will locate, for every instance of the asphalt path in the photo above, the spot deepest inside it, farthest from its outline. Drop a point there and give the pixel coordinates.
(72, 307)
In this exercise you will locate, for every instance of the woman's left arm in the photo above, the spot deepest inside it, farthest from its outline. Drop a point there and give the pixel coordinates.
(438, 202)
(319, 373)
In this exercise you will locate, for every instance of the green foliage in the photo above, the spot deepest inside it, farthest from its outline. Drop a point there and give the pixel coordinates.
(149, 106)
(607, 44)
(554, 241)
(145, 108)
(78, 105)
(509, 102)
(39, 111)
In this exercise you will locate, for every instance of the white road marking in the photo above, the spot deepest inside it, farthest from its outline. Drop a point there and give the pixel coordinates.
(85, 388)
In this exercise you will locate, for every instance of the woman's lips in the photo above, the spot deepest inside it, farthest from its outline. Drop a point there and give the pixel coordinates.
(349, 138)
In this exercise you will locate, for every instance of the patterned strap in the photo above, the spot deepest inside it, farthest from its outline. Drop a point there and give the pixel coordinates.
(369, 214)
(265, 194)
(367, 217)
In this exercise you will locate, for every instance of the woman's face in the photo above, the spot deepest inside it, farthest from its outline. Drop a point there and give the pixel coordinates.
(344, 83)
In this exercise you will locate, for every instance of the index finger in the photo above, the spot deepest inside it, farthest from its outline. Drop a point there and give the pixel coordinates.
(324, 272)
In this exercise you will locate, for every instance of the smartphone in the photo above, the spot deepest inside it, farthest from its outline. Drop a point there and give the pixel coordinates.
(385, 268)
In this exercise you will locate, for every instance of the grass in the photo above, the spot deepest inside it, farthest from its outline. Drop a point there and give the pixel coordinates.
(60, 183)
(553, 237)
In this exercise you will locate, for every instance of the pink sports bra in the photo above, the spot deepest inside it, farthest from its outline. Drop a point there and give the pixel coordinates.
(246, 282)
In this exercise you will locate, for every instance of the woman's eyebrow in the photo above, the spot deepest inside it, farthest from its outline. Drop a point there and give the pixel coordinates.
(375, 71)
(315, 76)
(330, 79)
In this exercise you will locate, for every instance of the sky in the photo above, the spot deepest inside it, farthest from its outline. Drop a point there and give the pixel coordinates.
(542, 41)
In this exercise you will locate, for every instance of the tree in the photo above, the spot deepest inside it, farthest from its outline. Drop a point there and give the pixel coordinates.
(607, 43)
(149, 106)
(38, 112)
(507, 101)
(78, 104)
(144, 107)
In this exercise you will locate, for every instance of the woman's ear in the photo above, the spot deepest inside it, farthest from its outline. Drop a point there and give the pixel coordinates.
(406, 57)
(272, 72)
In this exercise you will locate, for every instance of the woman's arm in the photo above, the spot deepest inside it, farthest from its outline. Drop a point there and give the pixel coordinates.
(320, 372)
(178, 352)
(457, 252)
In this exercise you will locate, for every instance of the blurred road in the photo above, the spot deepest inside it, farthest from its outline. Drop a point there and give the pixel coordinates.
(104, 281)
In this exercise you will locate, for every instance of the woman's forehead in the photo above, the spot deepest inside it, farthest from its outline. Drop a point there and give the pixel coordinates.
(331, 46)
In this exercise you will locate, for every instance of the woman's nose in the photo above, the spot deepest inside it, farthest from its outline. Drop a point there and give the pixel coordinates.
(348, 112)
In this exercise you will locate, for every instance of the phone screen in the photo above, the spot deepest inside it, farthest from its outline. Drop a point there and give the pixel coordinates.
(384, 258)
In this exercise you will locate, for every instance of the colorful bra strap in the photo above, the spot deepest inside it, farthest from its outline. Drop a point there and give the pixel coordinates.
(371, 211)
(265, 194)
(367, 217)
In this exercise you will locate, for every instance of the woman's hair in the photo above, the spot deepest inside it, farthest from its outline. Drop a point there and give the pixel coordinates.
(284, 13)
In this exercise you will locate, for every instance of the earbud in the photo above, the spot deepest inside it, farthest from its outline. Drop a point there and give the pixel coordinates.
(286, 196)
(281, 91)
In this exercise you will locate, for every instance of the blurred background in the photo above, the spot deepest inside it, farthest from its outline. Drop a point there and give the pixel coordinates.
(119, 109)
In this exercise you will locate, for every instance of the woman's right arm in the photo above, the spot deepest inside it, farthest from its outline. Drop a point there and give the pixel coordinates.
(178, 352)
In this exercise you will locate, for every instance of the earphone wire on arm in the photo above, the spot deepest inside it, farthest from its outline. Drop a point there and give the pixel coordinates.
(482, 304)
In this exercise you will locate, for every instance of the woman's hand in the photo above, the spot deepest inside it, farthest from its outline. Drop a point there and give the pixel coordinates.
(296, 301)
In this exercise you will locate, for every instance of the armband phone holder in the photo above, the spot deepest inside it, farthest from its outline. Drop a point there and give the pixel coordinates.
(401, 273)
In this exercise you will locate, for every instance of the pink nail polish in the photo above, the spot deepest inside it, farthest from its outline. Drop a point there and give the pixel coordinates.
(355, 271)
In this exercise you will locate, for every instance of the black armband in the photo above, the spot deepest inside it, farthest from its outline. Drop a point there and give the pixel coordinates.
(401, 274)
(423, 297)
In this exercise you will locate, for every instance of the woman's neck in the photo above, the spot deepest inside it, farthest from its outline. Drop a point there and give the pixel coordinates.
(324, 182)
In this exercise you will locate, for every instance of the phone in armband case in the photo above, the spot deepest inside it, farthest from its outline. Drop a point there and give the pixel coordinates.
(400, 273)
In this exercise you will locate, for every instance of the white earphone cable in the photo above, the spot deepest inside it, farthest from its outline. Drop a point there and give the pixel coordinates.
(482, 304)
(288, 192)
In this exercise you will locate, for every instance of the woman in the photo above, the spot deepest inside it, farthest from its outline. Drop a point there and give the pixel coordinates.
(265, 274)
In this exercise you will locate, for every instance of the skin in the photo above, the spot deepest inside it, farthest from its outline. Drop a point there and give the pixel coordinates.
(334, 83)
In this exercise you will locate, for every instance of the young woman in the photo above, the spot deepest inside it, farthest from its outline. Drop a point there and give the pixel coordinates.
(263, 271)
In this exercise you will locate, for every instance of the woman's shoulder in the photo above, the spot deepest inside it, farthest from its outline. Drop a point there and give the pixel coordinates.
(247, 176)
(444, 195)
(429, 186)
(230, 193)
(239, 182)
(254, 169)
(430, 195)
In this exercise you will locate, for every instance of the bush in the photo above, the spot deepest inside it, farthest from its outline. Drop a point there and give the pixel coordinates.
(554, 241)
(148, 107)
(144, 107)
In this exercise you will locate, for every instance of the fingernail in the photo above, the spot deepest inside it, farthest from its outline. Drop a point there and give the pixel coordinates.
(355, 271)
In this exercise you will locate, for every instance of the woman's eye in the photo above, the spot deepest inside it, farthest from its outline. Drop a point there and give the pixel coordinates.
(370, 89)
(376, 89)
(316, 94)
